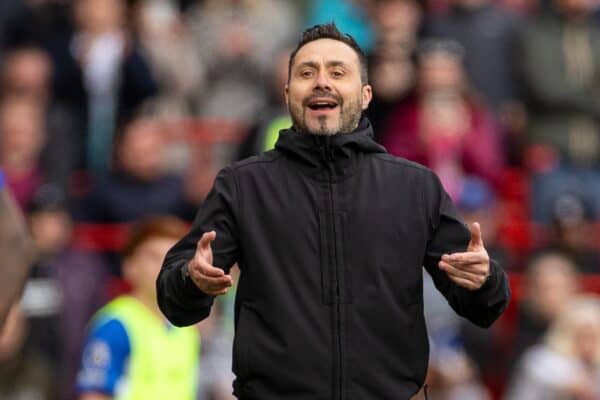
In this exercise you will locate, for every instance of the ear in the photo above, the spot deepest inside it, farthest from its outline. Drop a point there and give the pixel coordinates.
(367, 96)
(128, 269)
(286, 94)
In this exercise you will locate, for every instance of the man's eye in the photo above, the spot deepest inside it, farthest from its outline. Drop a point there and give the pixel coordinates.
(338, 73)
(307, 74)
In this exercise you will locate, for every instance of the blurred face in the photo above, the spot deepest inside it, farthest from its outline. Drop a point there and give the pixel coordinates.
(141, 151)
(51, 231)
(397, 20)
(552, 289)
(325, 94)
(27, 72)
(440, 71)
(21, 133)
(100, 16)
(142, 267)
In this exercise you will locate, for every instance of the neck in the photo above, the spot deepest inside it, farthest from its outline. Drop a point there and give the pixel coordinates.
(147, 301)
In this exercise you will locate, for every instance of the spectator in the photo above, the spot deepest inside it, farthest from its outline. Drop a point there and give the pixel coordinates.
(23, 374)
(391, 65)
(131, 349)
(275, 117)
(138, 186)
(27, 72)
(65, 287)
(100, 76)
(567, 364)
(173, 56)
(551, 280)
(22, 137)
(478, 202)
(441, 126)
(560, 60)
(572, 232)
(237, 42)
(489, 35)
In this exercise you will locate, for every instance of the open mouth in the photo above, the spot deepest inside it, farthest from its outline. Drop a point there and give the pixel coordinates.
(322, 104)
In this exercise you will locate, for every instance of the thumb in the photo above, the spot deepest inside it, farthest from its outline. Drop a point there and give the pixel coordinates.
(204, 245)
(476, 239)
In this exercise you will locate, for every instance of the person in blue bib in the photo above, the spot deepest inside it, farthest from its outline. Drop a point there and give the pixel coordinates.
(132, 352)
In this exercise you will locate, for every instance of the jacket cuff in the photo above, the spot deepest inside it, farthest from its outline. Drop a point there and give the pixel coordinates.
(189, 287)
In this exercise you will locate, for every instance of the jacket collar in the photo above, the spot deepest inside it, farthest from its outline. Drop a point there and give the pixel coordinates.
(342, 151)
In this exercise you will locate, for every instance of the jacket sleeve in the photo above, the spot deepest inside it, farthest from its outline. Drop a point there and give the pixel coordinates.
(448, 234)
(178, 297)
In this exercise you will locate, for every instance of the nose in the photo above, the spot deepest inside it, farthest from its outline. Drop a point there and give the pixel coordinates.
(322, 82)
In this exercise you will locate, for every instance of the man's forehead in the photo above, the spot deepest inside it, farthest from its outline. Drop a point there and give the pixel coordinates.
(324, 50)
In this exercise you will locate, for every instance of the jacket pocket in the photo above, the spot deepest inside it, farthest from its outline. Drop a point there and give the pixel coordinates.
(240, 345)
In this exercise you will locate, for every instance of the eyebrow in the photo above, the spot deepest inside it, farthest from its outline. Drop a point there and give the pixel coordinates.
(312, 64)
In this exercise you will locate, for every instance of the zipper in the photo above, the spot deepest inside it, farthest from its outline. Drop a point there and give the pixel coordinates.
(328, 156)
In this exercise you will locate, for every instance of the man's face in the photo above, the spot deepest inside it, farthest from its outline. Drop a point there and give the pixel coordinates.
(325, 94)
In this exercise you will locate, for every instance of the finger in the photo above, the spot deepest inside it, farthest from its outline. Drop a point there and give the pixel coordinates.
(466, 258)
(476, 277)
(203, 246)
(217, 287)
(477, 269)
(212, 280)
(476, 239)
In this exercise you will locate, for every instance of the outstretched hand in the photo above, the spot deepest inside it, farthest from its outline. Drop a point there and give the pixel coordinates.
(208, 278)
(469, 269)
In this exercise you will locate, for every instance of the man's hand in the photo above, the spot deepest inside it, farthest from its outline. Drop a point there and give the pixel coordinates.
(471, 268)
(208, 278)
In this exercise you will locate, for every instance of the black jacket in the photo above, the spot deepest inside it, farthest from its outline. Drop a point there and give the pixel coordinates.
(330, 234)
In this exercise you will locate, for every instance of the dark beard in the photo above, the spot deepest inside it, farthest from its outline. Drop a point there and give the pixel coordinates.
(350, 114)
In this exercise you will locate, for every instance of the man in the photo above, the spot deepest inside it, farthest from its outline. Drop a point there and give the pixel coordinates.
(132, 352)
(330, 234)
(17, 251)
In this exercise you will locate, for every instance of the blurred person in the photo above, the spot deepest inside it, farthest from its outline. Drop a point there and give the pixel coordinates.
(23, 373)
(16, 251)
(331, 246)
(100, 75)
(22, 137)
(131, 351)
(27, 71)
(442, 126)
(64, 288)
(551, 280)
(489, 35)
(138, 186)
(478, 201)
(560, 63)
(264, 133)
(391, 64)
(572, 232)
(566, 365)
(217, 337)
(453, 376)
(237, 41)
(173, 56)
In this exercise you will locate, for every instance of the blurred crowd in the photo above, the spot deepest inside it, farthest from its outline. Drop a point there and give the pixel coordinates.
(112, 111)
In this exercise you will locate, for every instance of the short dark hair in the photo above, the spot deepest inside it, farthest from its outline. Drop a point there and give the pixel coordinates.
(330, 31)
